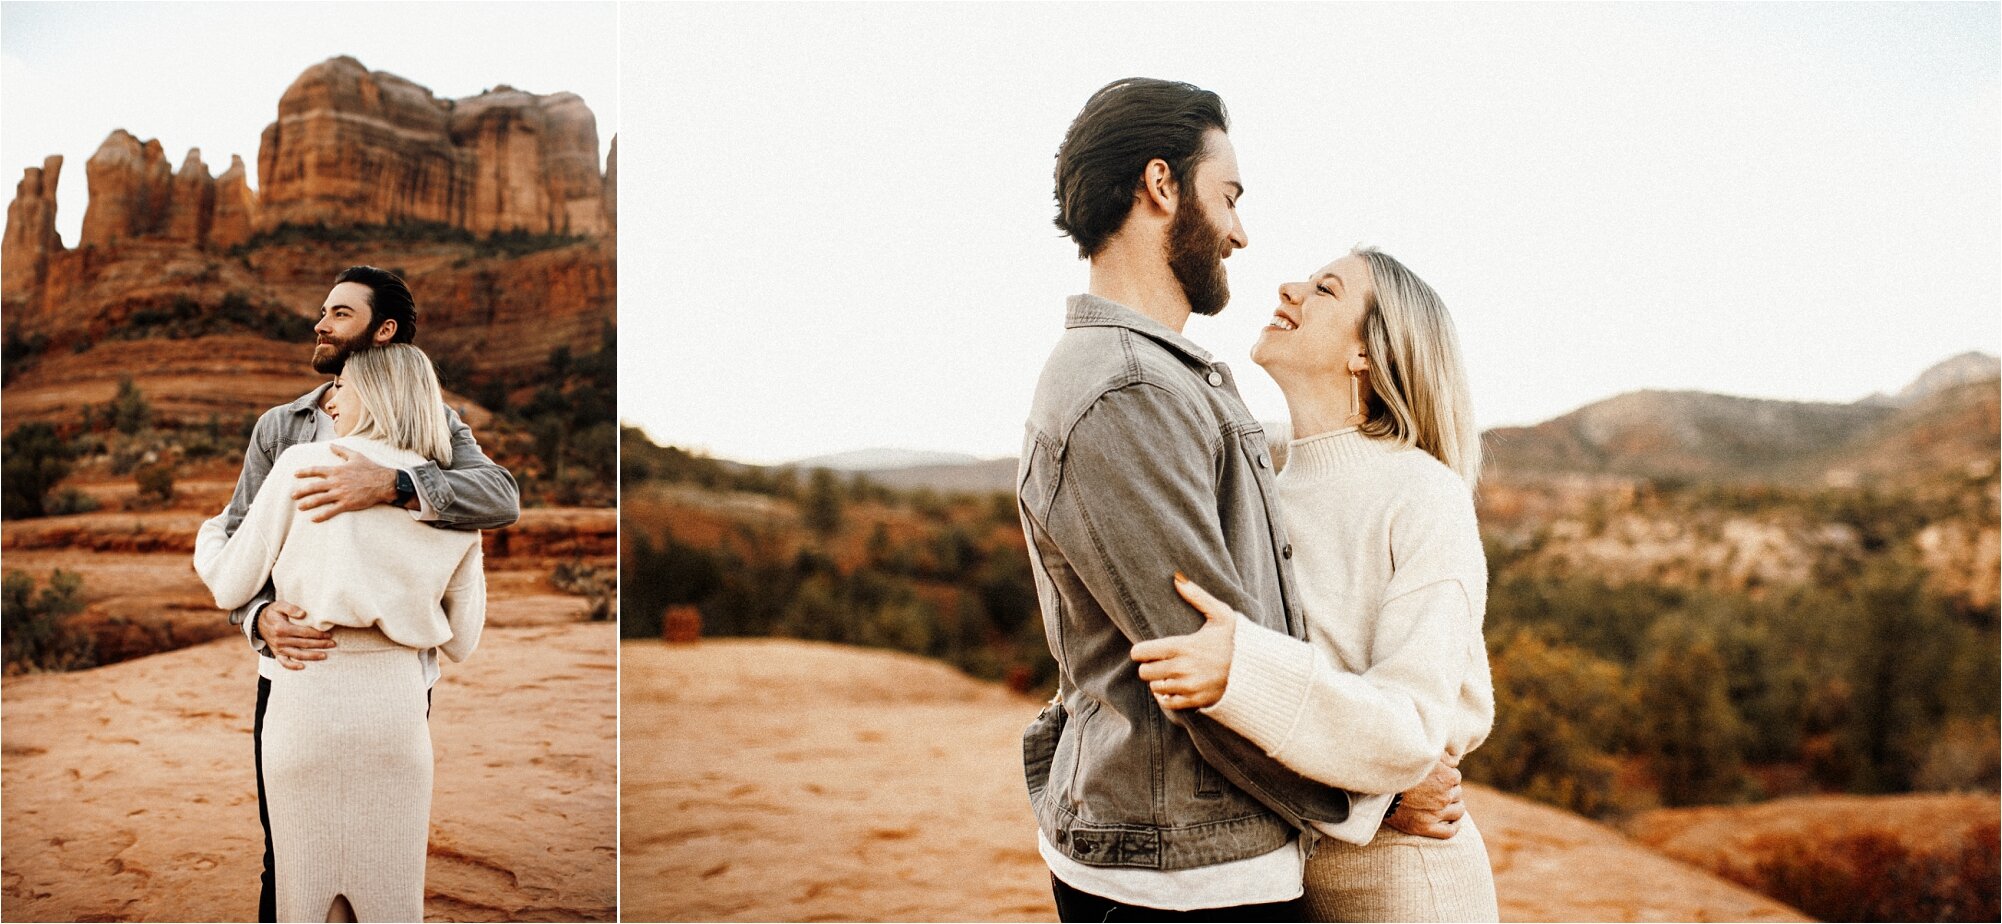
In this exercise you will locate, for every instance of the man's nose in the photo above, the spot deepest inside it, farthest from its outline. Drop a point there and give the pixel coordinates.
(1238, 239)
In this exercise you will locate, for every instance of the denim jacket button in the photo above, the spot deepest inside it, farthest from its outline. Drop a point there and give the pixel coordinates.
(1216, 379)
(1286, 551)
(1264, 462)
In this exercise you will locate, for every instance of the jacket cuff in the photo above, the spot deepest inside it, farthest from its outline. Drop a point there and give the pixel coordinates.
(1267, 688)
(251, 612)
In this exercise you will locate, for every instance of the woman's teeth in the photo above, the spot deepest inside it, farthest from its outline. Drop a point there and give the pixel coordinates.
(1279, 321)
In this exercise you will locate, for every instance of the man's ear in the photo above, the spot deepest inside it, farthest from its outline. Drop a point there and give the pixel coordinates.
(385, 332)
(1158, 189)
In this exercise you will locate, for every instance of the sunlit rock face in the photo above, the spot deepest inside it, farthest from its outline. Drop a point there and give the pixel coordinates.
(358, 147)
(31, 230)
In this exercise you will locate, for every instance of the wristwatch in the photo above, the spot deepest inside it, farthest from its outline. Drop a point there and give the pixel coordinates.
(406, 490)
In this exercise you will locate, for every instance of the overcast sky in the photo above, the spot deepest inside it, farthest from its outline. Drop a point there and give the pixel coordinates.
(208, 75)
(836, 219)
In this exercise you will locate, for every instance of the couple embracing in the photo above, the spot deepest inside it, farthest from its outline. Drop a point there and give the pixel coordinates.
(351, 555)
(1265, 681)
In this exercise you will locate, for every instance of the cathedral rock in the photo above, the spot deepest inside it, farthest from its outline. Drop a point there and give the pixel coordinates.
(216, 266)
(353, 146)
(350, 147)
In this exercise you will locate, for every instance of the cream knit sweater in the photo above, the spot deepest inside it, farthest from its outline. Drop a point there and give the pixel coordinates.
(1394, 672)
(422, 586)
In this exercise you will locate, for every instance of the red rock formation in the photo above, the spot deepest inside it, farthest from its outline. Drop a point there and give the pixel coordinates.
(358, 147)
(612, 187)
(235, 218)
(191, 205)
(130, 186)
(352, 146)
(31, 230)
(348, 145)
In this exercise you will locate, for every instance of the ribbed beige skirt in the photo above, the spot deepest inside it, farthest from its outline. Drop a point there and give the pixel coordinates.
(347, 778)
(1403, 877)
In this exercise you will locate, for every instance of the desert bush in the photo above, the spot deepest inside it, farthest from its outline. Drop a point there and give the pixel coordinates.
(129, 412)
(824, 502)
(1875, 876)
(69, 501)
(1694, 743)
(156, 482)
(1967, 755)
(1560, 716)
(661, 575)
(590, 581)
(36, 458)
(19, 352)
(37, 636)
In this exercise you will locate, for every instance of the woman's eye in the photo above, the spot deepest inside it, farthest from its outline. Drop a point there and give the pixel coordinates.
(1324, 290)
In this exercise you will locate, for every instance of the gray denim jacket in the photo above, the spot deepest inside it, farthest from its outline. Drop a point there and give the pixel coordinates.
(475, 493)
(1141, 460)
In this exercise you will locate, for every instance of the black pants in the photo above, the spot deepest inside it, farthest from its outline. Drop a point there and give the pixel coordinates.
(1073, 905)
(267, 890)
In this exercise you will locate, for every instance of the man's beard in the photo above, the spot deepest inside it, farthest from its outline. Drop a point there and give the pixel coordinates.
(1195, 254)
(331, 363)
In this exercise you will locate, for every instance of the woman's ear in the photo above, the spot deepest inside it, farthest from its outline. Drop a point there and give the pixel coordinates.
(1359, 364)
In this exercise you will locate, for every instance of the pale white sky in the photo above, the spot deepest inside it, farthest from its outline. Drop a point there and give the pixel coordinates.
(208, 75)
(837, 217)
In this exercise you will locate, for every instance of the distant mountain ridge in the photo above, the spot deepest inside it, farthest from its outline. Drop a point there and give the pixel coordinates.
(1946, 418)
(881, 459)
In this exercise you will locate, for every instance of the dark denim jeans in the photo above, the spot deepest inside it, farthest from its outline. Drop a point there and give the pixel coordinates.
(1073, 905)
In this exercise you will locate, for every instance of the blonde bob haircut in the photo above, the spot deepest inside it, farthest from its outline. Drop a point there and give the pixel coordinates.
(1418, 393)
(398, 400)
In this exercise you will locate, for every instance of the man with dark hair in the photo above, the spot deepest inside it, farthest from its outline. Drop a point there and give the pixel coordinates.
(389, 302)
(366, 307)
(1140, 461)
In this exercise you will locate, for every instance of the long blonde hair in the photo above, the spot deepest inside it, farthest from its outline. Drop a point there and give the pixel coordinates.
(398, 400)
(1418, 384)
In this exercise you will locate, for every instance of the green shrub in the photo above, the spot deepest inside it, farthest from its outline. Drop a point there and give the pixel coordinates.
(156, 482)
(36, 458)
(1560, 717)
(69, 501)
(590, 581)
(37, 637)
(129, 412)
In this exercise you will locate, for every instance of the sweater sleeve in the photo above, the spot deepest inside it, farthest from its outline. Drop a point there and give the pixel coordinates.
(1382, 730)
(236, 566)
(466, 605)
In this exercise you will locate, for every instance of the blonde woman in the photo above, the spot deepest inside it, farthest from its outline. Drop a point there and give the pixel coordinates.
(347, 748)
(1378, 499)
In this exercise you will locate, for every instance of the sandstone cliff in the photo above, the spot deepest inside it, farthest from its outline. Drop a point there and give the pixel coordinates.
(235, 217)
(358, 147)
(612, 187)
(31, 230)
(190, 202)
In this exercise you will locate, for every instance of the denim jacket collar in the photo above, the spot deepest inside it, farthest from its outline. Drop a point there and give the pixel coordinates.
(1087, 310)
(311, 400)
